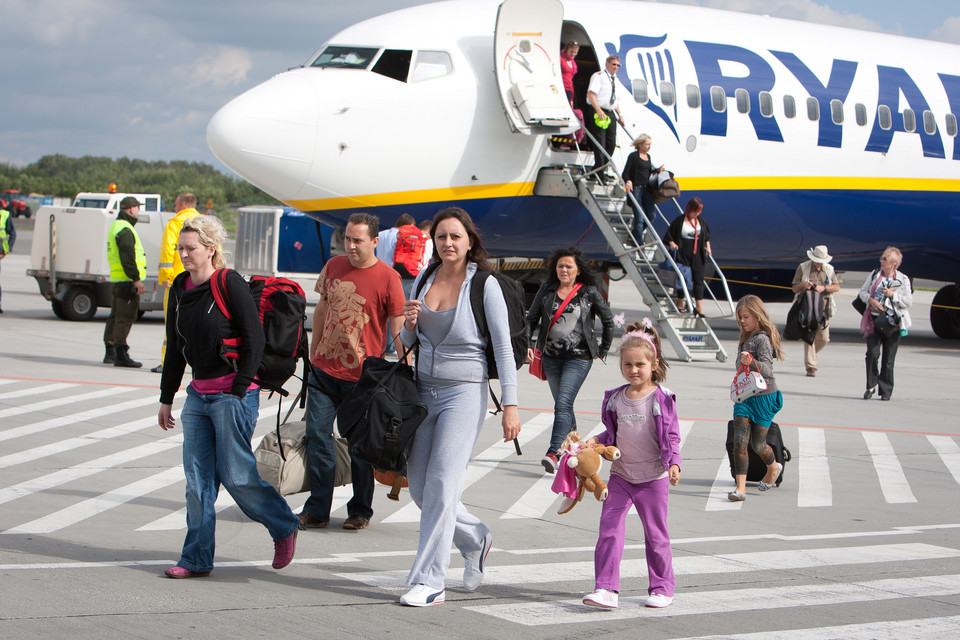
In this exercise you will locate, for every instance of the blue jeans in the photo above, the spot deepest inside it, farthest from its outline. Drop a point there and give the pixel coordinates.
(645, 198)
(565, 378)
(322, 456)
(216, 450)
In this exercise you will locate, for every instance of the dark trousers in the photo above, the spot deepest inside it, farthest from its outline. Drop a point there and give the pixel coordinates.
(607, 138)
(322, 456)
(124, 307)
(877, 345)
(647, 203)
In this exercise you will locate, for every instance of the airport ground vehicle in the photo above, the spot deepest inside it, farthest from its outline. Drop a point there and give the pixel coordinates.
(15, 205)
(69, 253)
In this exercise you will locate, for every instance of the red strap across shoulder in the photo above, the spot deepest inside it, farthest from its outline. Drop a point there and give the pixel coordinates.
(218, 286)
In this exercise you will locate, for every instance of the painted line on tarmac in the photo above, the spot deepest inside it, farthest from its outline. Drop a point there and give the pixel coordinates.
(815, 489)
(47, 404)
(55, 566)
(156, 386)
(35, 391)
(916, 629)
(893, 481)
(949, 452)
(723, 483)
(482, 464)
(733, 600)
(689, 565)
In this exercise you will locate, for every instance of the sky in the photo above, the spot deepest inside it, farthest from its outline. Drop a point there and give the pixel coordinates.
(141, 78)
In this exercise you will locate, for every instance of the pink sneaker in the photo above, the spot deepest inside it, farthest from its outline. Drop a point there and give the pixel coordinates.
(283, 550)
(180, 572)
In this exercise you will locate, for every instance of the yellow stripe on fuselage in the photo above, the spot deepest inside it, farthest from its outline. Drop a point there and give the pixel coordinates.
(738, 183)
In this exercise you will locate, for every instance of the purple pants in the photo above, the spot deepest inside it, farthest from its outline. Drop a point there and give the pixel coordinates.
(650, 499)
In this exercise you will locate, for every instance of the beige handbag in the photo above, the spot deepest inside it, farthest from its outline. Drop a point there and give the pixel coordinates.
(281, 459)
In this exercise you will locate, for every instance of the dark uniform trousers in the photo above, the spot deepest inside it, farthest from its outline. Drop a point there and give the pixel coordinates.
(124, 307)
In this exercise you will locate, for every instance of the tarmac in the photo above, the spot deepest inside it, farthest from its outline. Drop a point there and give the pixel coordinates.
(862, 540)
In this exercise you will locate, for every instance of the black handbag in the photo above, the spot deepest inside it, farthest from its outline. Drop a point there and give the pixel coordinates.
(859, 305)
(381, 415)
(886, 325)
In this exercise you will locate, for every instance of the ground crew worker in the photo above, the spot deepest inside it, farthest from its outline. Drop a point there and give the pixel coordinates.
(8, 235)
(185, 207)
(128, 268)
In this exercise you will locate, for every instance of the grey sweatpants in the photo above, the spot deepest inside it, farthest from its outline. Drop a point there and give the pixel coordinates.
(436, 471)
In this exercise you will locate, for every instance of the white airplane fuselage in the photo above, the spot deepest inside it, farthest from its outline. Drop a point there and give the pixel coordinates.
(856, 176)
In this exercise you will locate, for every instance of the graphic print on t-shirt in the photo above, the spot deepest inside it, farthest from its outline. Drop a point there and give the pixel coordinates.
(342, 339)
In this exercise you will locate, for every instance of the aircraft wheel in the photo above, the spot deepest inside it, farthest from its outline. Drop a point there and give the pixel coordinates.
(79, 304)
(946, 322)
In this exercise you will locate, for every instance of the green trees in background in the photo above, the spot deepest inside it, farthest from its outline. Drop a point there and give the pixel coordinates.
(62, 176)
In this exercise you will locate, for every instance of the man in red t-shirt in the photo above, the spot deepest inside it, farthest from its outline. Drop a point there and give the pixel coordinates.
(360, 296)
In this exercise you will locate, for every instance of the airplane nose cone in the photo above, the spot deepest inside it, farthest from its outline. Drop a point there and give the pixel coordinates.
(268, 134)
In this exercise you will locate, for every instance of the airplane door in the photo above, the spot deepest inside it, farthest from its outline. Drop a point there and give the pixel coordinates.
(527, 66)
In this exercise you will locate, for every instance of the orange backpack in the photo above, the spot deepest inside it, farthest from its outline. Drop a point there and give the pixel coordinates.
(409, 251)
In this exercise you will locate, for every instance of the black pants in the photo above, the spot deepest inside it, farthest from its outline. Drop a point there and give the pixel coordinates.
(124, 307)
(607, 138)
(877, 344)
(645, 198)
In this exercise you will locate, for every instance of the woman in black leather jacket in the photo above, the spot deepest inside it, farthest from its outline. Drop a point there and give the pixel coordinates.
(569, 344)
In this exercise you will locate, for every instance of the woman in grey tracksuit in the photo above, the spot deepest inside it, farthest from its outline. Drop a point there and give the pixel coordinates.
(452, 379)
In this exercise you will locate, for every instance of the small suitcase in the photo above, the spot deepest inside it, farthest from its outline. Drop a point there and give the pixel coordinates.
(757, 469)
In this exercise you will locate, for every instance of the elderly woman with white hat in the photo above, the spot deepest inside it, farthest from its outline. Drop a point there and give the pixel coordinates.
(817, 274)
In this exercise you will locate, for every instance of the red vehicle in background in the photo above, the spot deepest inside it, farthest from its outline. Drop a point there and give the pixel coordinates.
(14, 204)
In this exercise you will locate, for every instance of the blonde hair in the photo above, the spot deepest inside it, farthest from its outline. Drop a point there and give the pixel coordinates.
(651, 346)
(757, 309)
(895, 252)
(640, 139)
(211, 233)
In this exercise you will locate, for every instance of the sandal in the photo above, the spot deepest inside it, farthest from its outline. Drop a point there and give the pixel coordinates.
(736, 496)
(763, 486)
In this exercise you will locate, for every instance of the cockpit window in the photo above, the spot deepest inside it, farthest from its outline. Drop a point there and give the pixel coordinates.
(394, 63)
(431, 64)
(345, 57)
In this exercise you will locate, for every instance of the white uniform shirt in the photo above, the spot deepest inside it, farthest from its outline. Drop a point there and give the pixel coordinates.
(602, 84)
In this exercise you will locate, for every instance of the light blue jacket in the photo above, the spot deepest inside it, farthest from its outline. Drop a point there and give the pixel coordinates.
(459, 357)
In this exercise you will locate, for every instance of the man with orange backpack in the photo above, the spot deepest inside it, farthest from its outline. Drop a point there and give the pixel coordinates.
(408, 255)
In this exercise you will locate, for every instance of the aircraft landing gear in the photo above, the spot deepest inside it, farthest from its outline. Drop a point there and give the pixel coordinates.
(946, 322)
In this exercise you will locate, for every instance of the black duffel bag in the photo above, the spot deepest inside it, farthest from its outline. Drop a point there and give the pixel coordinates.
(380, 416)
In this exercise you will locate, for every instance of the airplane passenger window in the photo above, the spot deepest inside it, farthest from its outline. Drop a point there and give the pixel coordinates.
(884, 116)
(668, 95)
(718, 99)
(766, 104)
(641, 93)
(345, 57)
(951, 125)
(789, 107)
(813, 109)
(836, 111)
(743, 100)
(909, 121)
(394, 63)
(693, 96)
(929, 122)
(860, 110)
(431, 64)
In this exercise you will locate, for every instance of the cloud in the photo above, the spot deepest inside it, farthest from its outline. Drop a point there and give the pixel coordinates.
(949, 31)
(804, 10)
(228, 67)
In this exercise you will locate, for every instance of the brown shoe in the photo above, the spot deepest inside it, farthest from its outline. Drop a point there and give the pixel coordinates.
(356, 523)
(308, 521)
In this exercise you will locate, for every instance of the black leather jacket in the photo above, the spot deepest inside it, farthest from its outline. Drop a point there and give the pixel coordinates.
(592, 305)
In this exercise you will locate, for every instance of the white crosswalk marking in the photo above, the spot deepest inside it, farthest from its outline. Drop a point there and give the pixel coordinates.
(687, 565)
(89, 508)
(59, 421)
(815, 489)
(482, 464)
(69, 444)
(893, 482)
(710, 602)
(723, 484)
(59, 402)
(949, 453)
(919, 629)
(35, 391)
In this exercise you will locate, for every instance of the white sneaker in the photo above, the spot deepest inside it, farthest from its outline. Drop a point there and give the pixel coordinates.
(602, 598)
(474, 562)
(658, 601)
(422, 596)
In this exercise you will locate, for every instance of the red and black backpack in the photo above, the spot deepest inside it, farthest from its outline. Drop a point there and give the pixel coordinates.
(409, 251)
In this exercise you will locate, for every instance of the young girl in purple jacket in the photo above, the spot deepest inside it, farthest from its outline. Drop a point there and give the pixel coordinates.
(641, 420)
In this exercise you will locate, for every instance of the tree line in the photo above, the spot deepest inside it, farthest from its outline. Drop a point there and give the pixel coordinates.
(62, 176)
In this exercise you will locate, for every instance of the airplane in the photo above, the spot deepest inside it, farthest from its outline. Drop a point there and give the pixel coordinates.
(793, 134)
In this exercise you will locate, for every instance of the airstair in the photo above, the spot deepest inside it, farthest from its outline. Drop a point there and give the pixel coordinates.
(690, 335)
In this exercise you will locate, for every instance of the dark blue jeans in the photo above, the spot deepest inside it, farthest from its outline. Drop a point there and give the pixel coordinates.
(216, 450)
(645, 198)
(322, 456)
(565, 378)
